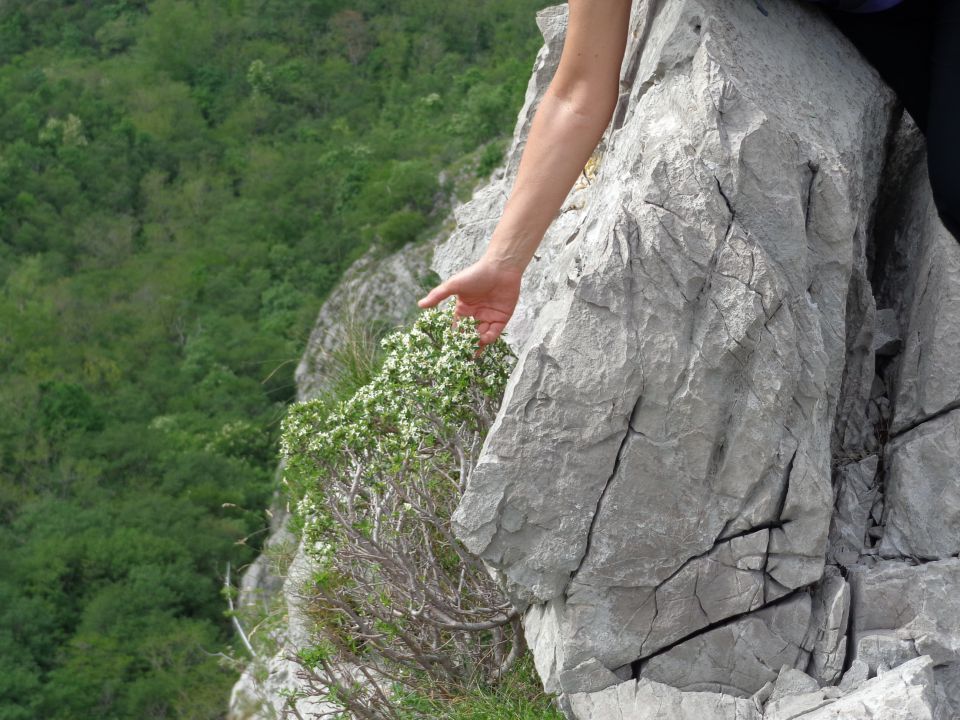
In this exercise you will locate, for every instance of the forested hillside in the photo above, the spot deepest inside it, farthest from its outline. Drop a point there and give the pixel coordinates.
(181, 183)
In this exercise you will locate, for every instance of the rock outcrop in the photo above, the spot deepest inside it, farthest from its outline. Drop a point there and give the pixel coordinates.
(726, 458)
(376, 293)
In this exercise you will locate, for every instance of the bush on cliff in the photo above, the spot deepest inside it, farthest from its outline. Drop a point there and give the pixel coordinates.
(400, 604)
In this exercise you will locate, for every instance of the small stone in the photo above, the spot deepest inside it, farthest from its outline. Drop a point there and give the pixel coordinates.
(791, 681)
(858, 673)
(886, 338)
(763, 694)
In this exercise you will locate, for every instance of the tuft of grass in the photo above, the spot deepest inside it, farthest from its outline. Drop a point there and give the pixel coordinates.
(518, 696)
(358, 357)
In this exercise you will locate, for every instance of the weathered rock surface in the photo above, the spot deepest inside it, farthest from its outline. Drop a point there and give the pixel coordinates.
(677, 390)
(831, 614)
(724, 404)
(922, 491)
(947, 689)
(376, 292)
(855, 675)
(901, 611)
(260, 582)
(268, 687)
(740, 656)
(792, 682)
(645, 699)
(921, 283)
(857, 490)
(904, 693)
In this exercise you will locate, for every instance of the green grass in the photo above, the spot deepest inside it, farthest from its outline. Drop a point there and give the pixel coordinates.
(519, 697)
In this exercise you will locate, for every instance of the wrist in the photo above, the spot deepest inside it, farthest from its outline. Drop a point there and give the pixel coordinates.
(505, 261)
(510, 252)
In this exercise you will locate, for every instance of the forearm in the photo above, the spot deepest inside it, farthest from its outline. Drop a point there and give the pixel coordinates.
(572, 116)
(564, 133)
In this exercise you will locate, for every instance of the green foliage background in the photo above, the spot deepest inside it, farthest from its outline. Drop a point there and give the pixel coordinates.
(181, 184)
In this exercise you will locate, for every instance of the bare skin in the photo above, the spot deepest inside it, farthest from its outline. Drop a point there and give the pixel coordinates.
(570, 120)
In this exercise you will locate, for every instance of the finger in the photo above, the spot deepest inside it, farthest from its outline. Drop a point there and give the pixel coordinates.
(440, 292)
(461, 310)
(491, 332)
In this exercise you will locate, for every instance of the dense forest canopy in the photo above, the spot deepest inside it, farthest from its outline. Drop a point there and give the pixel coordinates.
(181, 184)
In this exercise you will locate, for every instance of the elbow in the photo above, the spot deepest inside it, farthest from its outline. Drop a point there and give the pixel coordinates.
(591, 105)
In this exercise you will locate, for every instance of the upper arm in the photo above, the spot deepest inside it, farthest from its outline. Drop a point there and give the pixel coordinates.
(593, 50)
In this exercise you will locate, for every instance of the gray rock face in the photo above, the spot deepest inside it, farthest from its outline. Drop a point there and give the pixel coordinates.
(374, 292)
(260, 582)
(922, 280)
(857, 490)
(732, 431)
(855, 676)
(831, 614)
(923, 492)
(947, 690)
(740, 656)
(905, 693)
(792, 682)
(676, 392)
(646, 699)
(901, 610)
(738, 384)
(269, 686)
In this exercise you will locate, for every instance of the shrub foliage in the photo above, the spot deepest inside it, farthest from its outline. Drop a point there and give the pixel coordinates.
(400, 603)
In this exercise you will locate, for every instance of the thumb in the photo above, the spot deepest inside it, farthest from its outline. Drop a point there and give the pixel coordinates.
(440, 292)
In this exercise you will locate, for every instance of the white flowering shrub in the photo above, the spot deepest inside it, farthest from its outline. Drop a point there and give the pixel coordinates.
(399, 603)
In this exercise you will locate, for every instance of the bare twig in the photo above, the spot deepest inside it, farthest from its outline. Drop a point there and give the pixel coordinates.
(233, 615)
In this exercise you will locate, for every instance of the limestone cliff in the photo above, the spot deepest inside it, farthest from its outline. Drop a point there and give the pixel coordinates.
(724, 471)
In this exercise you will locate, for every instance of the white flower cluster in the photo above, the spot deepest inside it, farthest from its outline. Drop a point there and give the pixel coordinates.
(428, 384)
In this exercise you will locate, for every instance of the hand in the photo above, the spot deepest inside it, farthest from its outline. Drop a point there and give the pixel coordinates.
(487, 291)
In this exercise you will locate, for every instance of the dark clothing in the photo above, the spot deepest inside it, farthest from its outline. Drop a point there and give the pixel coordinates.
(860, 6)
(915, 47)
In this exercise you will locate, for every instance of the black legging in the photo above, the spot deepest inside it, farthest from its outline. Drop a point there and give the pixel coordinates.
(915, 47)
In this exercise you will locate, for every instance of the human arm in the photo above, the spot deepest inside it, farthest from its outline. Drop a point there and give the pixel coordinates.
(570, 120)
